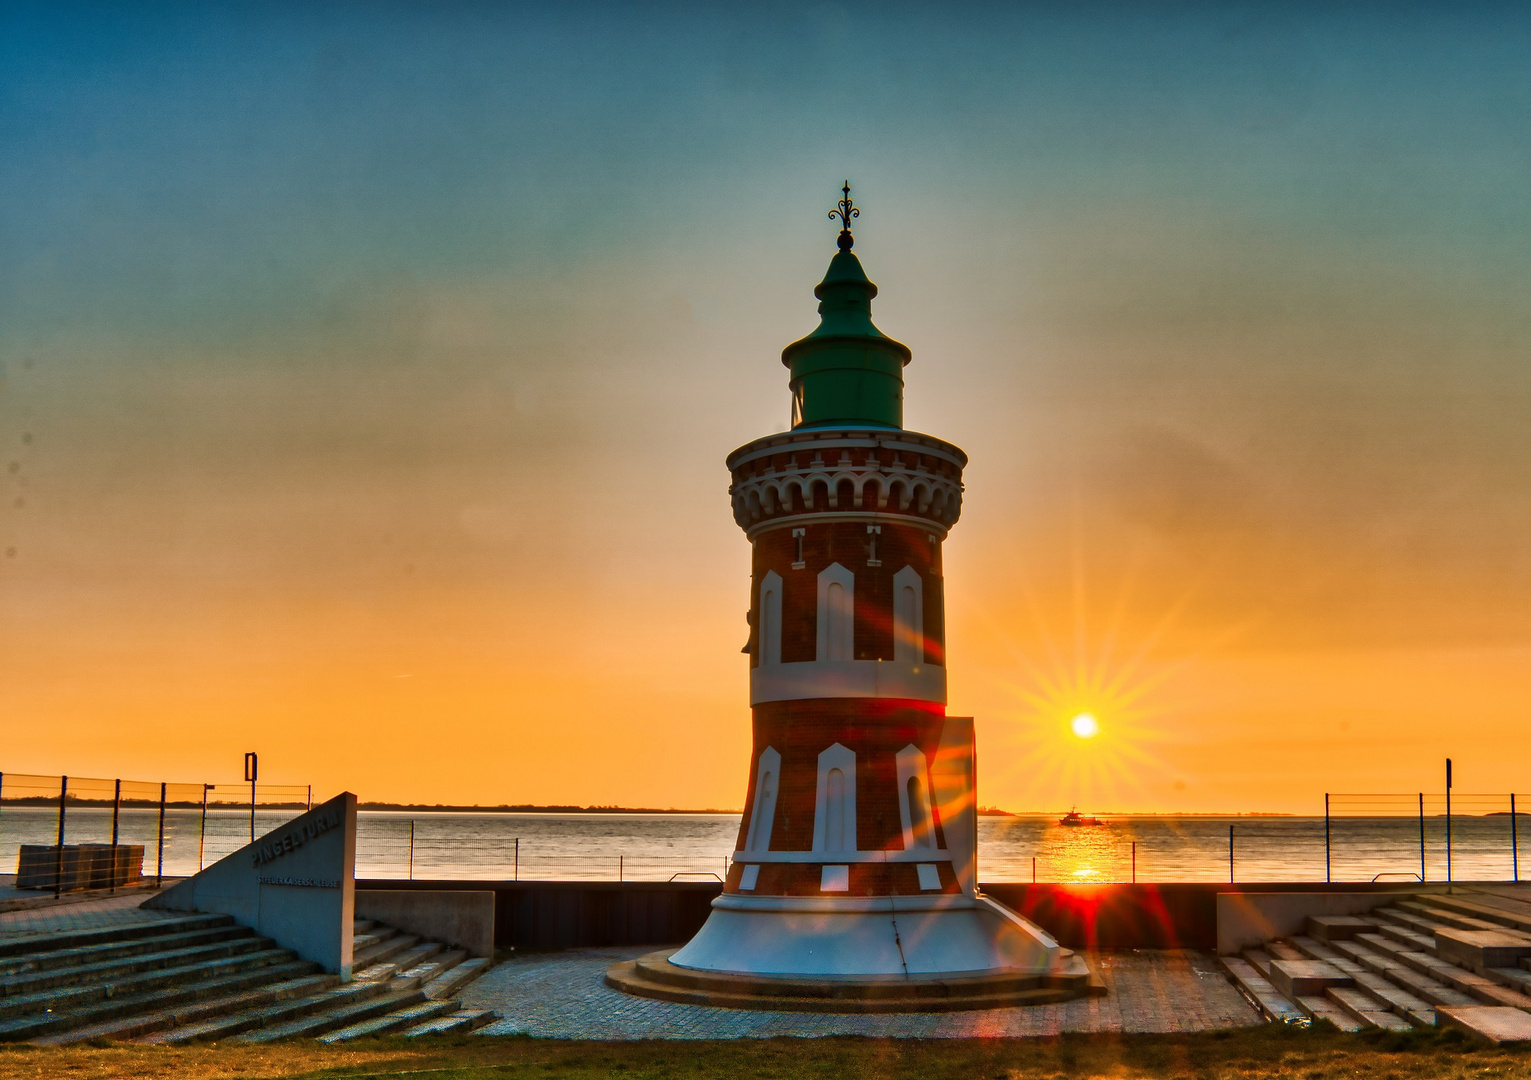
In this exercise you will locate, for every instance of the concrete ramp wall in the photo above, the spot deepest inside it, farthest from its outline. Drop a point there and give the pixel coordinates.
(464, 918)
(296, 885)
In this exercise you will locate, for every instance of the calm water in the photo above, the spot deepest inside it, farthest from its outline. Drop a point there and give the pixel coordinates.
(657, 847)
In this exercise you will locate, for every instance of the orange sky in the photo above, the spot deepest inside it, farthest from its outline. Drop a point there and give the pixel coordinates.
(409, 475)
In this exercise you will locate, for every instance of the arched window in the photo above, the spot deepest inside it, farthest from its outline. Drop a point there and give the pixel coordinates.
(834, 819)
(768, 621)
(914, 799)
(763, 813)
(837, 633)
(908, 616)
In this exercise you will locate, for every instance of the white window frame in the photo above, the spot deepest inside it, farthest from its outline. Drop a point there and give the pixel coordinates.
(836, 629)
(908, 636)
(763, 812)
(842, 759)
(912, 765)
(768, 619)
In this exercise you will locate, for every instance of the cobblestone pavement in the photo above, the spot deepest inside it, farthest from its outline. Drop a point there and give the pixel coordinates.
(561, 996)
(67, 914)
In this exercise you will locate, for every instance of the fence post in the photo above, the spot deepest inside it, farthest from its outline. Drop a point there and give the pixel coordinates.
(518, 858)
(159, 860)
(1328, 857)
(1134, 862)
(1422, 868)
(310, 796)
(1514, 842)
(1230, 854)
(411, 849)
(58, 854)
(1033, 869)
(116, 815)
(1448, 825)
(619, 868)
(202, 835)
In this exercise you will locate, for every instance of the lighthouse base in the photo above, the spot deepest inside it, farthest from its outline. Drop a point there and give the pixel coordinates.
(861, 955)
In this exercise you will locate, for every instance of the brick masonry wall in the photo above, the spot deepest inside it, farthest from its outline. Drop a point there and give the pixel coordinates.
(876, 730)
(848, 543)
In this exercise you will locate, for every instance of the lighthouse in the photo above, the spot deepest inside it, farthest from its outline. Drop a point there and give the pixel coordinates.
(853, 883)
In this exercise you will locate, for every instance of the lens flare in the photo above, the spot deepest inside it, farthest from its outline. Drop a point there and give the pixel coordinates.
(1085, 726)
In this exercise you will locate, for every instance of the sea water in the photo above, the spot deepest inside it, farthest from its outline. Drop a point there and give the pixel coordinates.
(697, 847)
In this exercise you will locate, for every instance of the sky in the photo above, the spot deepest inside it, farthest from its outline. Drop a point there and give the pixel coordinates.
(367, 371)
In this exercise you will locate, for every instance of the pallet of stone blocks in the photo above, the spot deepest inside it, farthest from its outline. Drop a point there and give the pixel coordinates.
(203, 977)
(1461, 959)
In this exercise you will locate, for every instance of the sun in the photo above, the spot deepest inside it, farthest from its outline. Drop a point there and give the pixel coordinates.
(1085, 726)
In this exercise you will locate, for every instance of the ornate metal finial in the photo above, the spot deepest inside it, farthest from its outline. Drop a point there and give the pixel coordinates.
(845, 210)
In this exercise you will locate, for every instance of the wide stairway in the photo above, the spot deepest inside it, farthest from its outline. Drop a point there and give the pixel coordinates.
(1461, 959)
(174, 980)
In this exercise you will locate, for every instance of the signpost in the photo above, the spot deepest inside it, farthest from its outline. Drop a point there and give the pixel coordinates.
(251, 764)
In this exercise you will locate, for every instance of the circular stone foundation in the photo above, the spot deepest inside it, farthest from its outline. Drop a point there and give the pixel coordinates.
(653, 976)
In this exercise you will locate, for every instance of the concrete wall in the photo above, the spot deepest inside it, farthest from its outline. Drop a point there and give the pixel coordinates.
(464, 918)
(295, 885)
(575, 914)
(1248, 919)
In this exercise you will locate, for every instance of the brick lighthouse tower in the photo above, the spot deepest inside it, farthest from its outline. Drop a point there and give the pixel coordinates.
(853, 883)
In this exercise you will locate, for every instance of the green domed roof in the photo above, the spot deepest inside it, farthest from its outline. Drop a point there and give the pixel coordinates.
(847, 371)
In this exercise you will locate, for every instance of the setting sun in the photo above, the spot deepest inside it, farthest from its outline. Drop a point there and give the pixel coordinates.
(1085, 726)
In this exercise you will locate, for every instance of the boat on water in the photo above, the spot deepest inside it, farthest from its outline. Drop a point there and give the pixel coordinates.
(1074, 818)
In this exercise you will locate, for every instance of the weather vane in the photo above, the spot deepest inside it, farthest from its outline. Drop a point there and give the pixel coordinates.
(844, 210)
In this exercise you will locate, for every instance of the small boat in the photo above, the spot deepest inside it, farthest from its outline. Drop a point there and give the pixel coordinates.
(1073, 818)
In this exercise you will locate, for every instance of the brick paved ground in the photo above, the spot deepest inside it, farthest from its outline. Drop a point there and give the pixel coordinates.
(46, 914)
(561, 996)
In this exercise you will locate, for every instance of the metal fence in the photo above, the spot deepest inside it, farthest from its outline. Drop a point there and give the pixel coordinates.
(61, 833)
(1420, 836)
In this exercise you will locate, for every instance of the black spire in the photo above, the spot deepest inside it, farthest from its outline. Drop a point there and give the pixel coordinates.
(844, 210)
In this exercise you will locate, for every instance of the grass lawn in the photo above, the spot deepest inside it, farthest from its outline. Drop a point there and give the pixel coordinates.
(1249, 1053)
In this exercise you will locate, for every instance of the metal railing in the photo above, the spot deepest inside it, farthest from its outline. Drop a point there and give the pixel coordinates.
(63, 833)
(1450, 836)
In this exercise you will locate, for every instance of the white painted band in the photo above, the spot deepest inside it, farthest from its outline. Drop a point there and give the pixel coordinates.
(847, 679)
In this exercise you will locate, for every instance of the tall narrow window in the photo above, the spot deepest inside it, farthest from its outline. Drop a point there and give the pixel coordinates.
(908, 616)
(768, 619)
(797, 538)
(834, 820)
(914, 798)
(763, 813)
(873, 532)
(837, 634)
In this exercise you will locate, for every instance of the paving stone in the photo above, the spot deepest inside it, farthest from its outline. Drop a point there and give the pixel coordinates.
(561, 995)
(1496, 1023)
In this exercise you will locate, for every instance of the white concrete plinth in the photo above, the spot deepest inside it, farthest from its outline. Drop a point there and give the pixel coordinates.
(867, 938)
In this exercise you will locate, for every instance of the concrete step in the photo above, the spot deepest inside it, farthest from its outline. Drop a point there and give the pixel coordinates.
(45, 1022)
(1412, 939)
(1321, 1008)
(1299, 978)
(1338, 927)
(409, 958)
(1366, 1010)
(1273, 1005)
(107, 970)
(1480, 949)
(452, 980)
(436, 965)
(1515, 978)
(1260, 960)
(196, 1012)
(71, 997)
(330, 1019)
(382, 950)
(1478, 988)
(1282, 950)
(457, 1024)
(54, 959)
(268, 1015)
(71, 939)
(1518, 918)
(1409, 920)
(394, 1021)
(361, 926)
(1491, 1023)
(1445, 916)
